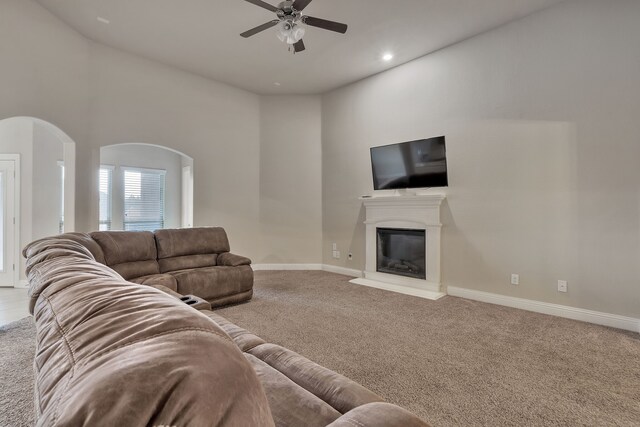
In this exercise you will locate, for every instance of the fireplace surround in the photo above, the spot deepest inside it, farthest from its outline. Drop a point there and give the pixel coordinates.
(411, 215)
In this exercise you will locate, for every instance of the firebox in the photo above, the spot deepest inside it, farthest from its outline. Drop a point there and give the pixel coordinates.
(401, 251)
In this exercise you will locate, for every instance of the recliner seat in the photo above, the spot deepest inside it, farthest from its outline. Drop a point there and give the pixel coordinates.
(193, 261)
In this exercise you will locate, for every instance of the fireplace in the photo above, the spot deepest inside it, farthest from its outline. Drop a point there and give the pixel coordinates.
(402, 252)
(402, 245)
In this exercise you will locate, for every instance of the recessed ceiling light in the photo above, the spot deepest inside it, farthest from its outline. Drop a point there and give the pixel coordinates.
(103, 20)
(387, 57)
(276, 83)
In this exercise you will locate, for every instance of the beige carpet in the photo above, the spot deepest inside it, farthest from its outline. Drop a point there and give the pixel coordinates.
(453, 362)
(17, 347)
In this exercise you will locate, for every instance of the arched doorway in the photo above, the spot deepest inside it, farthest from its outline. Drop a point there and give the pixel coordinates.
(144, 187)
(42, 159)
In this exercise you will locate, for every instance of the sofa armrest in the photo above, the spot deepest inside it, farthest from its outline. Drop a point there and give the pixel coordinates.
(232, 260)
(378, 414)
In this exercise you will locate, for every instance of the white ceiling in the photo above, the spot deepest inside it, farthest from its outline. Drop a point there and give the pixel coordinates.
(202, 36)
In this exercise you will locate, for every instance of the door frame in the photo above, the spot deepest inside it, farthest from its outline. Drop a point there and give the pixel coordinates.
(16, 212)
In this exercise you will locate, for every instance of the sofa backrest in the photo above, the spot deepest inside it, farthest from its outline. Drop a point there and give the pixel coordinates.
(130, 253)
(82, 238)
(114, 353)
(184, 248)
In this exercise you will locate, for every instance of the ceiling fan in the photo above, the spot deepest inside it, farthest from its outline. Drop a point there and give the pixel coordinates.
(290, 17)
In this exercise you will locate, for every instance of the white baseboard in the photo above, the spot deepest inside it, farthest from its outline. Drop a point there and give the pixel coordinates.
(324, 267)
(259, 267)
(590, 316)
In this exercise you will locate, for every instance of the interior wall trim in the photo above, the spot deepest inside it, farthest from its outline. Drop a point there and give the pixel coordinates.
(260, 267)
(581, 314)
(324, 267)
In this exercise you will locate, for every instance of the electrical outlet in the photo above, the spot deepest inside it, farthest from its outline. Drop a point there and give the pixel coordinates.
(335, 246)
(515, 279)
(334, 254)
(337, 254)
(562, 285)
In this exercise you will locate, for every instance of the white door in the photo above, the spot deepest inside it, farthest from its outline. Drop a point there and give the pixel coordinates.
(7, 223)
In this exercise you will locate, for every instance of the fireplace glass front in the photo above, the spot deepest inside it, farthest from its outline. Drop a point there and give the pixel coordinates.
(401, 252)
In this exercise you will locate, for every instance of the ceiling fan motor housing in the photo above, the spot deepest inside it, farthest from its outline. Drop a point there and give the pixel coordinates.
(289, 13)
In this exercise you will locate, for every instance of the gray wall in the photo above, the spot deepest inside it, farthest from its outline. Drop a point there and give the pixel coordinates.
(550, 102)
(541, 117)
(44, 74)
(101, 96)
(47, 188)
(290, 179)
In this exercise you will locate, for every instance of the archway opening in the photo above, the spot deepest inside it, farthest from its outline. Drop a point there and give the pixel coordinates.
(144, 187)
(42, 159)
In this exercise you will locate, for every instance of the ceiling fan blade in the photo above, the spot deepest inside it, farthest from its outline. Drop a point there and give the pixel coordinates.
(324, 24)
(259, 28)
(264, 5)
(299, 5)
(299, 46)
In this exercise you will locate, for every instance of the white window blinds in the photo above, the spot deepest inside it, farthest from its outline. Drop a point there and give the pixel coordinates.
(143, 199)
(105, 188)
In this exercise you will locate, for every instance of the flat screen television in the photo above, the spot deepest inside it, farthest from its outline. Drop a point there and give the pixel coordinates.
(413, 164)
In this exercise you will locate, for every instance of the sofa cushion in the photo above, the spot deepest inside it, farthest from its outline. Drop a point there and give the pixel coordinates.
(113, 353)
(214, 282)
(191, 241)
(378, 414)
(340, 392)
(232, 260)
(187, 261)
(130, 253)
(154, 280)
(243, 338)
(291, 405)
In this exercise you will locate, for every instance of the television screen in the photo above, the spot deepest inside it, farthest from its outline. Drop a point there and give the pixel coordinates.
(413, 164)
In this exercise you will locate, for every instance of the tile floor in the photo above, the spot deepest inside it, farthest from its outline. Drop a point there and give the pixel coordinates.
(13, 305)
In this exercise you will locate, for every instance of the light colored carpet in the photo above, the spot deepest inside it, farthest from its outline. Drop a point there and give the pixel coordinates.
(453, 361)
(17, 347)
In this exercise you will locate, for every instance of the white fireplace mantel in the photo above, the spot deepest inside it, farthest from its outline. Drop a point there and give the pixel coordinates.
(415, 212)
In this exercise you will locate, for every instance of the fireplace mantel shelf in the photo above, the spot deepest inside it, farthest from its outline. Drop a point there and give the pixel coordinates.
(404, 211)
(404, 199)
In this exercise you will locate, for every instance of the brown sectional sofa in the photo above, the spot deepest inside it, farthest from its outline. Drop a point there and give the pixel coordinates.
(190, 261)
(111, 352)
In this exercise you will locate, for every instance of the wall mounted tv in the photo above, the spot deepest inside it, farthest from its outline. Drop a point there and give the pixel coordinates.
(413, 164)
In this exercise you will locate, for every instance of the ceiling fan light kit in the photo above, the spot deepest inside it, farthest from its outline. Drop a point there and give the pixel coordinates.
(290, 17)
(290, 32)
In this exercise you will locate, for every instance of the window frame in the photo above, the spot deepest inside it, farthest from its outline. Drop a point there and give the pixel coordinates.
(109, 221)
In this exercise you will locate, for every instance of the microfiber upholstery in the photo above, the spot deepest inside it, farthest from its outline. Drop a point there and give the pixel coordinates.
(114, 353)
(111, 352)
(227, 280)
(182, 249)
(194, 261)
(130, 253)
(191, 241)
(154, 280)
(308, 410)
(340, 392)
(186, 262)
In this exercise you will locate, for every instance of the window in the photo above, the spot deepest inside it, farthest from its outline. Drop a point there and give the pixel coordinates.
(143, 199)
(105, 188)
